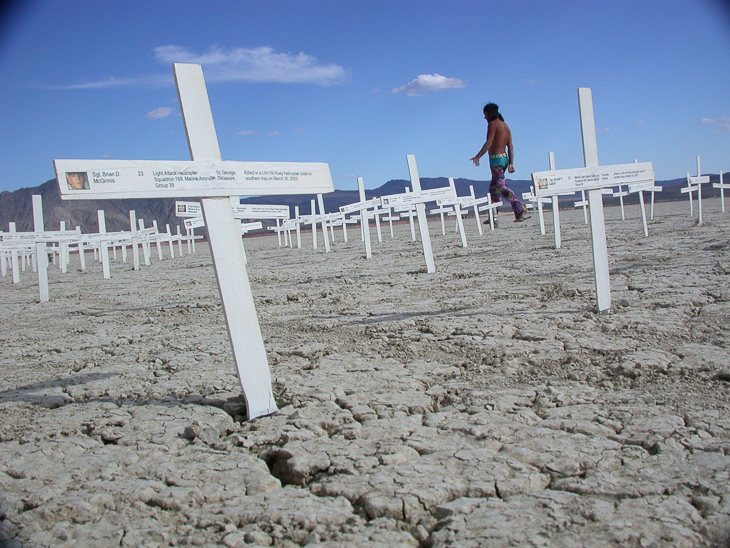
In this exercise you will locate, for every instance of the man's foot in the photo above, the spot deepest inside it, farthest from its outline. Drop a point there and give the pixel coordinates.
(522, 216)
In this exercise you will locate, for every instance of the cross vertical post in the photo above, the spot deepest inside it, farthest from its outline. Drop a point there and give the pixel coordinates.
(299, 229)
(458, 213)
(421, 213)
(14, 257)
(364, 219)
(722, 186)
(325, 234)
(699, 193)
(595, 202)
(103, 247)
(40, 249)
(556, 207)
(133, 228)
(226, 247)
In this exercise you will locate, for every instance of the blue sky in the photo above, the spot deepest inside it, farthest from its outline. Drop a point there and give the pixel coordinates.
(361, 84)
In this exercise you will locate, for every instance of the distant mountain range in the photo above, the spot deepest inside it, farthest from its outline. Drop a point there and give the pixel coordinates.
(16, 206)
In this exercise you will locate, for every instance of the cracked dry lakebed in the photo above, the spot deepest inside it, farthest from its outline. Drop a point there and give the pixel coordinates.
(484, 405)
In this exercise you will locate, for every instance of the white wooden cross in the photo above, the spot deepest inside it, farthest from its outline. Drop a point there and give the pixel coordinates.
(442, 211)
(640, 187)
(485, 203)
(14, 255)
(533, 201)
(556, 207)
(419, 198)
(363, 206)
(455, 204)
(592, 179)
(694, 184)
(215, 181)
(459, 202)
(408, 212)
(474, 202)
(620, 195)
(390, 217)
(323, 218)
(722, 186)
(583, 202)
(646, 186)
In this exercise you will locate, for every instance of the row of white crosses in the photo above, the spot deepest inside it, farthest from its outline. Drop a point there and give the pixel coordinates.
(386, 208)
(620, 193)
(217, 183)
(457, 206)
(406, 205)
(34, 246)
(193, 214)
(409, 204)
(391, 208)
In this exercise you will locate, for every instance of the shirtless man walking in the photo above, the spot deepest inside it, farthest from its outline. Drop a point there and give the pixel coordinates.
(499, 138)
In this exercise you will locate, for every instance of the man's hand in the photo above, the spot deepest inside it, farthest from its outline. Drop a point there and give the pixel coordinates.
(511, 168)
(475, 160)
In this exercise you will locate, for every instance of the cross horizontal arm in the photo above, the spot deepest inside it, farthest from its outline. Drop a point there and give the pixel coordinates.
(108, 179)
(549, 183)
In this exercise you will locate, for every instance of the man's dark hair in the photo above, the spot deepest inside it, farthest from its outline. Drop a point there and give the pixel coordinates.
(492, 112)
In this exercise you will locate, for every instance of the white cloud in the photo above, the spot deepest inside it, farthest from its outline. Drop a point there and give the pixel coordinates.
(162, 112)
(256, 65)
(245, 132)
(723, 124)
(261, 64)
(113, 82)
(429, 82)
(274, 134)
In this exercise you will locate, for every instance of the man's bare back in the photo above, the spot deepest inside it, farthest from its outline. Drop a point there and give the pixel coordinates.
(499, 138)
(499, 135)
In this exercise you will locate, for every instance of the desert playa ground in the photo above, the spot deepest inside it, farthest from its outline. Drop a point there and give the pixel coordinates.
(486, 404)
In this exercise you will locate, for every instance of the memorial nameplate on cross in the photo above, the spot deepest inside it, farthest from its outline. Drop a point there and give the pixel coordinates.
(242, 211)
(549, 183)
(109, 179)
(206, 176)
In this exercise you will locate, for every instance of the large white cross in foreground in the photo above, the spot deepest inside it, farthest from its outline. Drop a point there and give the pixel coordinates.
(592, 178)
(215, 181)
